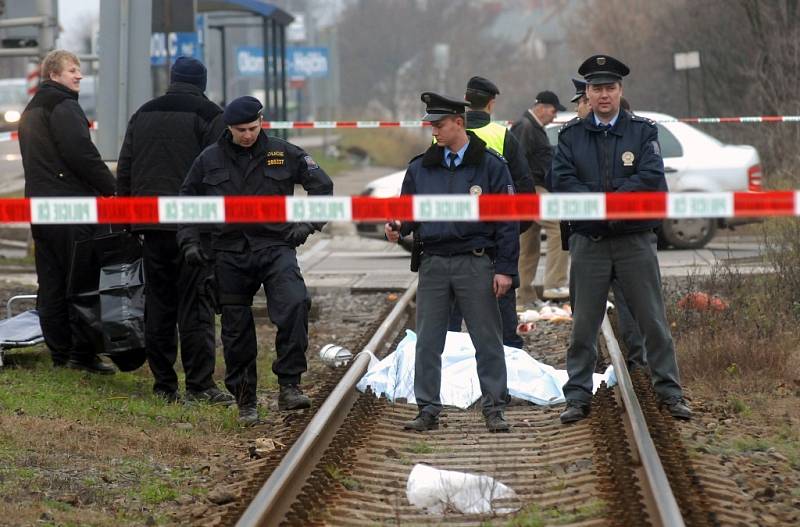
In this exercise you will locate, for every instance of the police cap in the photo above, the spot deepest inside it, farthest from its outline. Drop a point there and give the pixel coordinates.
(439, 106)
(242, 110)
(482, 85)
(580, 89)
(602, 69)
(548, 97)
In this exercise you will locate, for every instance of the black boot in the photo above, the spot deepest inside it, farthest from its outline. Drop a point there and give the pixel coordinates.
(92, 365)
(291, 398)
(677, 408)
(212, 396)
(248, 415)
(575, 412)
(496, 422)
(422, 422)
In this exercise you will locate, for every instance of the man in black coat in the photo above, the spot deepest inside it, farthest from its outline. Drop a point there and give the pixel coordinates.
(59, 160)
(247, 257)
(163, 138)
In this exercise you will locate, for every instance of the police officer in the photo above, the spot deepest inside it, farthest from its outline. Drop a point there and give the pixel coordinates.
(60, 159)
(613, 151)
(162, 140)
(471, 263)
(244, 161)
(629, 329)
(482, 94)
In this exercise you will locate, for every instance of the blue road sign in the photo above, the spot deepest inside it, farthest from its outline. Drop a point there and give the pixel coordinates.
(301, 62)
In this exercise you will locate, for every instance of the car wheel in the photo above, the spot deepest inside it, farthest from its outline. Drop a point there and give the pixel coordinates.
(687, 233)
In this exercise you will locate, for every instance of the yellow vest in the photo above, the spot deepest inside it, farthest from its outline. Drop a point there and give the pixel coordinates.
(493, 135)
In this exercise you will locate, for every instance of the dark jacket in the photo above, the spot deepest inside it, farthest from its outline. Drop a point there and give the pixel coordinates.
(58, 155)
(271, 167)
(512, 151)
(163, 138)
(625, 159)
(482, 171)
(536, 147)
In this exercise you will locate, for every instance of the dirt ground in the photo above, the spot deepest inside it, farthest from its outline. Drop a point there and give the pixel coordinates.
(78, 450)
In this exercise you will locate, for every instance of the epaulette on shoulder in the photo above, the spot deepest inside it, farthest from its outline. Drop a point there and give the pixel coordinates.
(569, 124)
(416, 157)
(641, 119)
(496, 154)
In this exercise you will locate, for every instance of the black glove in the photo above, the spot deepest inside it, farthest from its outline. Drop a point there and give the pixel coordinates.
(299, 233)
(194, 255)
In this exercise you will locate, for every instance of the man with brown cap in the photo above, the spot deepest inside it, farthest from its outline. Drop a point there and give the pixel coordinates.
(530, 130)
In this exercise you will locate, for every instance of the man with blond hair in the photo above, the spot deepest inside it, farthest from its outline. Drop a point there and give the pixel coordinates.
(59, 159)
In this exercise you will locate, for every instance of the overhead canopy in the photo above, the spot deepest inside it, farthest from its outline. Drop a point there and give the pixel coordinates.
(255, 7)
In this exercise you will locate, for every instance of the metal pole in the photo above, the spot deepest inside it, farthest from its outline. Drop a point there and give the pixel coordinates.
(47, 31)
(224, 66)
(265, 44)
(688, 94)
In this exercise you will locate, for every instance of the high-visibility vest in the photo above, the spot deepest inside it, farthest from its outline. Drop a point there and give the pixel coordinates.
(493, 134)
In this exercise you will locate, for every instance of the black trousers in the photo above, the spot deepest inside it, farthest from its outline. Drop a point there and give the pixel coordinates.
(175, 296)
(53, 247)
(239, 277)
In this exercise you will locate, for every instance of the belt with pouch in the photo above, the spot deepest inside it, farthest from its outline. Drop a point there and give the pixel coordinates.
(474, 252)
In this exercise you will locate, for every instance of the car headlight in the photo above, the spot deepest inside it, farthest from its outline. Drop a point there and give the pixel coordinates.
(11, 116)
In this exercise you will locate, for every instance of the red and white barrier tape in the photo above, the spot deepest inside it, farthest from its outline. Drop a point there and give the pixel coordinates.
(497, 207)
(327, 125)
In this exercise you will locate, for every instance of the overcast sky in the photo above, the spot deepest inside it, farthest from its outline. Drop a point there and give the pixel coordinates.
(73, 13)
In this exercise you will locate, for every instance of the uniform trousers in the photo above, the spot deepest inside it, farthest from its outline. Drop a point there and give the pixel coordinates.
(508, 315)
(530, 246)
(53, 250)
(239, 277)
(175, 295)
(467, 280)
(632, 259)
(629, 329)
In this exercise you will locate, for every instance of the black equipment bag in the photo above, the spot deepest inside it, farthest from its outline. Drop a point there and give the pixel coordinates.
(106, 294)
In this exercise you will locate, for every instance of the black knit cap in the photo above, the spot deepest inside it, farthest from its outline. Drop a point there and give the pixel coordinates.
(242, 110)
(189, 70)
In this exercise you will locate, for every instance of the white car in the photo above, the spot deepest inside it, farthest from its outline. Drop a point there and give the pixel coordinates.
(693, 161)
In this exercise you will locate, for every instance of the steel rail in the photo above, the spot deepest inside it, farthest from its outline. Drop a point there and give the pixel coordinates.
(273, 501)
(657, 483)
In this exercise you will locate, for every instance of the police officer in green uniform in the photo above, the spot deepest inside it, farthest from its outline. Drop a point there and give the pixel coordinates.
(481, 94)
(470, 263)
(612, 150)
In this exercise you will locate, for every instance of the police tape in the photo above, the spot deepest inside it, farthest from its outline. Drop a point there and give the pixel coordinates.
(327, 125)
(466, 207)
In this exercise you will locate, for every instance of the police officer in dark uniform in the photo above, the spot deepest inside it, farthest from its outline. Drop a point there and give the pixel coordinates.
(471, 263)
(245, 161)
(613, 151)
(629, 329)
(481, 94)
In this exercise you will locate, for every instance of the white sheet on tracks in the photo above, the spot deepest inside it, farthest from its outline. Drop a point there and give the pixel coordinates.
(528, 378)
(438, 491)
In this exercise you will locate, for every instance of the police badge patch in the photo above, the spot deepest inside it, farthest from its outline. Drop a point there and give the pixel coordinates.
(475, 190)
(310, 163)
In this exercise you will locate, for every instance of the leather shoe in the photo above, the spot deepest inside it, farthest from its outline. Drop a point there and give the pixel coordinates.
(422, 422)
(248, 415)
(496, 422)
(291, 398)
(93, 365)
(212, 396)
(677, 408)
(575, 412)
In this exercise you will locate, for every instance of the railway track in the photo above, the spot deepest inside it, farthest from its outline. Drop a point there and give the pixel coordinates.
(624, 466)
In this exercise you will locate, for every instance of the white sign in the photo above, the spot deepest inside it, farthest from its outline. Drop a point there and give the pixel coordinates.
(63, 210)
(318, 209)
(584, 206)
(204, 209)
(446, 208)
(687, 61)
(705, 205)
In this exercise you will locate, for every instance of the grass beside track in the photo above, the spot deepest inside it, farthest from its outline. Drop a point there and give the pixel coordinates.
(80, 449)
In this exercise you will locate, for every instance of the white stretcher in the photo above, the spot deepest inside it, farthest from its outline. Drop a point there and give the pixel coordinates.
(19, 331)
